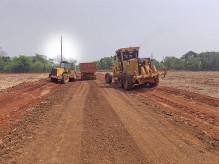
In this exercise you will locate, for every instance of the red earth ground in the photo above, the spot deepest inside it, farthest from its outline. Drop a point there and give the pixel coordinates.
(17, 99)
(94, 122)
(196, 109)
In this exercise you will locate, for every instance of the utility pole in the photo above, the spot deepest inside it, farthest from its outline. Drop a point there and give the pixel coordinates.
(152, 55)
(61, 48)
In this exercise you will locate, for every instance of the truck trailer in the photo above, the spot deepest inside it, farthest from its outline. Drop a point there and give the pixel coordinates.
(88, 70)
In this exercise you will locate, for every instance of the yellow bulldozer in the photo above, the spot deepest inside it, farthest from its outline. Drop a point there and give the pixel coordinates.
(129, 70)
(64, 73)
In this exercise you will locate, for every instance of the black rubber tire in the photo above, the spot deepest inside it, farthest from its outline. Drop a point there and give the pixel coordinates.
(71, 79)
(108, 78)
(155, 83)
(120, 81)
(65, 78)
(128, 82)
(54, 80)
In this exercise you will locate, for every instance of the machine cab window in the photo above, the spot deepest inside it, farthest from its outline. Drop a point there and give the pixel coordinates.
(118, 57)
(130, 55)
(64, 64)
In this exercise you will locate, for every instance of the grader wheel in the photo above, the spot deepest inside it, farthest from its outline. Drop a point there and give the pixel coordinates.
(54, 80)
(120, 81)
(108, 78)
(155, 83)
(65, 78)
(71, 79)
(128, 85)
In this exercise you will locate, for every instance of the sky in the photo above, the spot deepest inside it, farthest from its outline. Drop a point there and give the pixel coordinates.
(92, 29)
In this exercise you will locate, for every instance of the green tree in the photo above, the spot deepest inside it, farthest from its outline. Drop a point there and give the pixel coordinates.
(159, 65)
(192, 64)
(189, 54)
(209, 61)
(37, 67)
(169, 62)
(179, 64)
(104, 63)
(3, 62)
(39, 58)
(74, 63)
(11, 67)
(22, 64)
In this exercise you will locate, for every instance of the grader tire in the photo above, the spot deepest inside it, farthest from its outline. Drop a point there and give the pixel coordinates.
(65, 78)
(155, 83)
(71, 79)
(128, 82)
(54, 80)
(108, 78)
(120, 81)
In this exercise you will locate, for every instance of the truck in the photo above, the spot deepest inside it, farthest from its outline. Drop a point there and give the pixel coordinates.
(88, 70)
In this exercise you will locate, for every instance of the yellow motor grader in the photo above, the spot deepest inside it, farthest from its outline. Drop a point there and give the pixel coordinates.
(64, 73)
(129, 70)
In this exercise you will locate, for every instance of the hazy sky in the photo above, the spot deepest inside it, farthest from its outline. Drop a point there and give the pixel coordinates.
(92, 29)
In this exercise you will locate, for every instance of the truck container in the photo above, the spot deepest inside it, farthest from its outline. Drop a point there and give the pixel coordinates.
(88, 70)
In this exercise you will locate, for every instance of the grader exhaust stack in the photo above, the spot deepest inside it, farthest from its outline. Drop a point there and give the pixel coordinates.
(129, 69)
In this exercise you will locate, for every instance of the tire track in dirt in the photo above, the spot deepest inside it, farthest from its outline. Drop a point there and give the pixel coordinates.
(14, 102)
(211, 101)
(59, 140)
(26, 126)
(160, 140)
(200, 110)
(105, 139)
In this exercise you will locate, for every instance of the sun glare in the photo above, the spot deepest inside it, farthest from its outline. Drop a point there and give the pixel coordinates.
(70, 48)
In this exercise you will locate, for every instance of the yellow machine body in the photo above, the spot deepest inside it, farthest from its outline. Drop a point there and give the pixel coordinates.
(64, 73)
(127, 64)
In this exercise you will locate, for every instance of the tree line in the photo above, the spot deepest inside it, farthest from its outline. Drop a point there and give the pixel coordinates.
(25, 64)
(191, 61)
(104, 64)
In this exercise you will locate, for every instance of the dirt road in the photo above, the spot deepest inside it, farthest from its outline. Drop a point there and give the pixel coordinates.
(93, 122)
(19, 98)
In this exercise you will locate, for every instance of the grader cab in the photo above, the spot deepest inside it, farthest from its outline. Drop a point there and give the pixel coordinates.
(129, 69)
